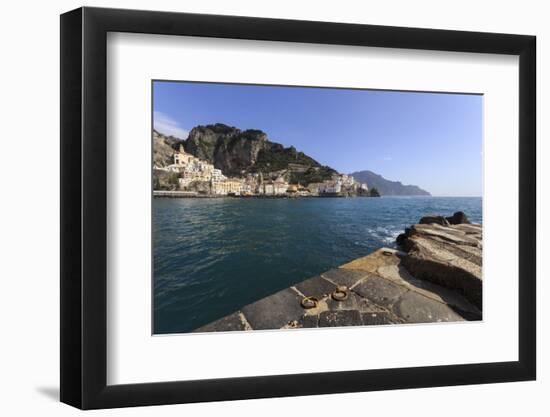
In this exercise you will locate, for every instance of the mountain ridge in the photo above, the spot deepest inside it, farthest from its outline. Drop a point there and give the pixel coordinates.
(388, 187)
(239, 152)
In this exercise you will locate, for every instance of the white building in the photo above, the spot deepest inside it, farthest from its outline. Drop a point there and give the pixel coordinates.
(347, 180)
(330, 187)
(280, 187)
(217, 175)
(183, 158)
(194, 169)
(277, 187)
(227, 186)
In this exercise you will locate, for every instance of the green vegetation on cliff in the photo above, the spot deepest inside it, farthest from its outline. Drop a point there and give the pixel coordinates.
(238, 152)
(312, 175)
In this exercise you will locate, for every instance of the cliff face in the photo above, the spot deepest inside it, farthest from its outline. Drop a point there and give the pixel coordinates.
(446, 251)
(237, 152)
(387, 187)
(164, 148)
(227, 148)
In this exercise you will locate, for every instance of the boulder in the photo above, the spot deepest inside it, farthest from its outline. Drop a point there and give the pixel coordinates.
(432, 261)
(447, 255)
(402, 240)
(458, 218)
(434, 220)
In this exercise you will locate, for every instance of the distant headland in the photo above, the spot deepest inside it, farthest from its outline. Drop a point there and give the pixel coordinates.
(387, 187)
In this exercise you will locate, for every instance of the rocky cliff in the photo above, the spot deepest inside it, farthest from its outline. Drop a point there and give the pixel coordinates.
(387, 187)
(448, 252)
(227, 148)
(164, 148)
(238, 152)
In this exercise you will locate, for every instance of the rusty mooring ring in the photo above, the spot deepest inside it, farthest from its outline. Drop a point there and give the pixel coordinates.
(340, 293)
(309, 302)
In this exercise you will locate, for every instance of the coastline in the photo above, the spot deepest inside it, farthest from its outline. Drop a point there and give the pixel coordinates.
(193, 194)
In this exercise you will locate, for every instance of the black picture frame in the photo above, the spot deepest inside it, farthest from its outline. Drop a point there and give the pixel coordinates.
(84, 207)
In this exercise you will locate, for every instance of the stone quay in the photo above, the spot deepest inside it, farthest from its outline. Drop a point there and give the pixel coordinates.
(435, 276)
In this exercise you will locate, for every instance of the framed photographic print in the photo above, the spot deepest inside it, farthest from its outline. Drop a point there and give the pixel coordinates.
(258, 207)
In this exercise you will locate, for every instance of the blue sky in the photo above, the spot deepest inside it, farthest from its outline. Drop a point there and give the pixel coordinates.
(430, 140)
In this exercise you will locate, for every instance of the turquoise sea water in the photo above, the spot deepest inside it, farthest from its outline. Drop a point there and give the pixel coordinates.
(213, 256)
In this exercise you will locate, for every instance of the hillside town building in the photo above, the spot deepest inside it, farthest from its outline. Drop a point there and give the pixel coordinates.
(330, 187)
(191, 169)
(347, 180)
(277, 187)
(228, 186)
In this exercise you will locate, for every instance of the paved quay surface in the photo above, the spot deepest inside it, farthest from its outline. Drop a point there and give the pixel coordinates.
(379, 288)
